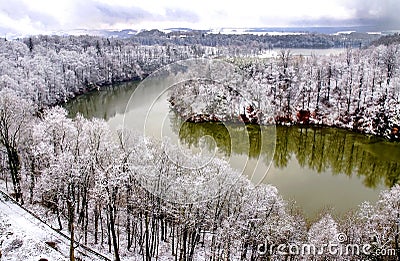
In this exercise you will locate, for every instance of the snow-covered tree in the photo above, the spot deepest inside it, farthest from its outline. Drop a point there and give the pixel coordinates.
(15, 115)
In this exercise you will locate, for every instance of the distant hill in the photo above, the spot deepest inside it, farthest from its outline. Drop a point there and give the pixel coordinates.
(262, 38)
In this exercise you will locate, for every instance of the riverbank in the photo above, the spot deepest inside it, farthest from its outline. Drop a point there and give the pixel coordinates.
(356, 90)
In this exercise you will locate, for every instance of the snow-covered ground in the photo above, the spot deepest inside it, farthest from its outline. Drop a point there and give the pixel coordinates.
(24, 237)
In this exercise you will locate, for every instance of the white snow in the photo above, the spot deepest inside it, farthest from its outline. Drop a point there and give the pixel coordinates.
(23, 237)
(344, 32)
(239, 31)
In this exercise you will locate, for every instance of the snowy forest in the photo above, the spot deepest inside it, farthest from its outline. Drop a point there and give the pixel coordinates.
(252, 42)
(81, 177)
(357, 90)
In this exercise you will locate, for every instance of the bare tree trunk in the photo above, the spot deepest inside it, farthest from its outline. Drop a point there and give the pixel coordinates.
(114, 234)
(14, 166)
(71, 228)
(96, 225)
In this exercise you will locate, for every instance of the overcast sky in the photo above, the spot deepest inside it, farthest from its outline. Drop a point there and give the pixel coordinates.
(44, 16)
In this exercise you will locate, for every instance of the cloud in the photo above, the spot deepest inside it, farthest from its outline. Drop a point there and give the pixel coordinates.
(382, 14)
(176, 14)
(15, 9)
(15, 13)
(40, 16)
(377, 12)
(92, 13)
(117, 14)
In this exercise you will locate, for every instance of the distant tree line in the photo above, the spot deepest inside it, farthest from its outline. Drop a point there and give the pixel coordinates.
(387, 40)
(262, 42)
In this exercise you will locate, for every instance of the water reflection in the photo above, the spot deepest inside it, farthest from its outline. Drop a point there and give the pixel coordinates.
(103, 104)
(319, 149)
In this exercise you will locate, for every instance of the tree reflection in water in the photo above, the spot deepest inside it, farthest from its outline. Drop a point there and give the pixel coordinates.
(320, 149)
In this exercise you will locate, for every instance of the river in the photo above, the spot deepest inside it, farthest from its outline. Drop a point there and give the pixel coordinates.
(318, 168)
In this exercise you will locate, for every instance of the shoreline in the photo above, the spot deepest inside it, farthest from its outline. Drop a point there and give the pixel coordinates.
(307, 122)
(198, 119)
